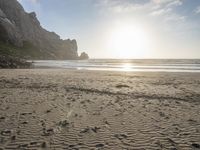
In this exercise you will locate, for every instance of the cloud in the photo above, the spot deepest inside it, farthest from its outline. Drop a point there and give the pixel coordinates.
(175, 18)
(124, 6)
(145, 5)
(165, 10)
(167, 15)
(166, 1)
(175, 3)
(161, 1)
(197, 10)
(160, 12)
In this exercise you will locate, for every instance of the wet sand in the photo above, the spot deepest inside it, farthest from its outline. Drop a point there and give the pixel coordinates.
(67, 109)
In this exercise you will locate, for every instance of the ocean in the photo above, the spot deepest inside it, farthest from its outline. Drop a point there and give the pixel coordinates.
(126, 65)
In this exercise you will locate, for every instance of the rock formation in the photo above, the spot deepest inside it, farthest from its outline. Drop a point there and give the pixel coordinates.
(12, 62)
(84, 56)
(23, 30)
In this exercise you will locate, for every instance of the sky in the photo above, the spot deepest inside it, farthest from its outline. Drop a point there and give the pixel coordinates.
(124, 28)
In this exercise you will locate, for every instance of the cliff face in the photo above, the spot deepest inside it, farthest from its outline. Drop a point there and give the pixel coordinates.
(19, 28)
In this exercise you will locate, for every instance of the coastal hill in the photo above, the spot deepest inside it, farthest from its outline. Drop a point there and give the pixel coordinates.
(22, 35)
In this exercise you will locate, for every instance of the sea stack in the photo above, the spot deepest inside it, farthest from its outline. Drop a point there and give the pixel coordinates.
(83, 56)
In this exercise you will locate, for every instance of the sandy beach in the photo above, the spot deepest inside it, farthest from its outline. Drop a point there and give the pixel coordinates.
(81, 110)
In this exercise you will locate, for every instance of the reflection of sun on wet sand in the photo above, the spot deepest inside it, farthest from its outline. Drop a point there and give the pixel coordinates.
(63, 109)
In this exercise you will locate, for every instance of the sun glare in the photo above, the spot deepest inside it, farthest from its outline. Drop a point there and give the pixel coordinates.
(127, 67)
(129, 41)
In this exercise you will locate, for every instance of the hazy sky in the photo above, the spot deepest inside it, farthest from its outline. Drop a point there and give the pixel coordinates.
(124, 28)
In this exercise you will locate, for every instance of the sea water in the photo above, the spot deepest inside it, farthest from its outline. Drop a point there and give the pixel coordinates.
(128, 65)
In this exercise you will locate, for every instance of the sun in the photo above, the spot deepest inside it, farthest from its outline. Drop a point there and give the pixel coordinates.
(129, 41)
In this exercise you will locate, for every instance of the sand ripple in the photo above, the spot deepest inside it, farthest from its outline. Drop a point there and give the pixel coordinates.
(57, 109)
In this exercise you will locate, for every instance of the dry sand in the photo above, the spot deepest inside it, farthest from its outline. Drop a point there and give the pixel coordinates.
(66, 109)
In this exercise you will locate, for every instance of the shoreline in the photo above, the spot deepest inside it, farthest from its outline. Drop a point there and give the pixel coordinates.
(122, 65)
(70, 109)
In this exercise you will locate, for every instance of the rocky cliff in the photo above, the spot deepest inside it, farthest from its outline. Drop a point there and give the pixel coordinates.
(23, 30)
